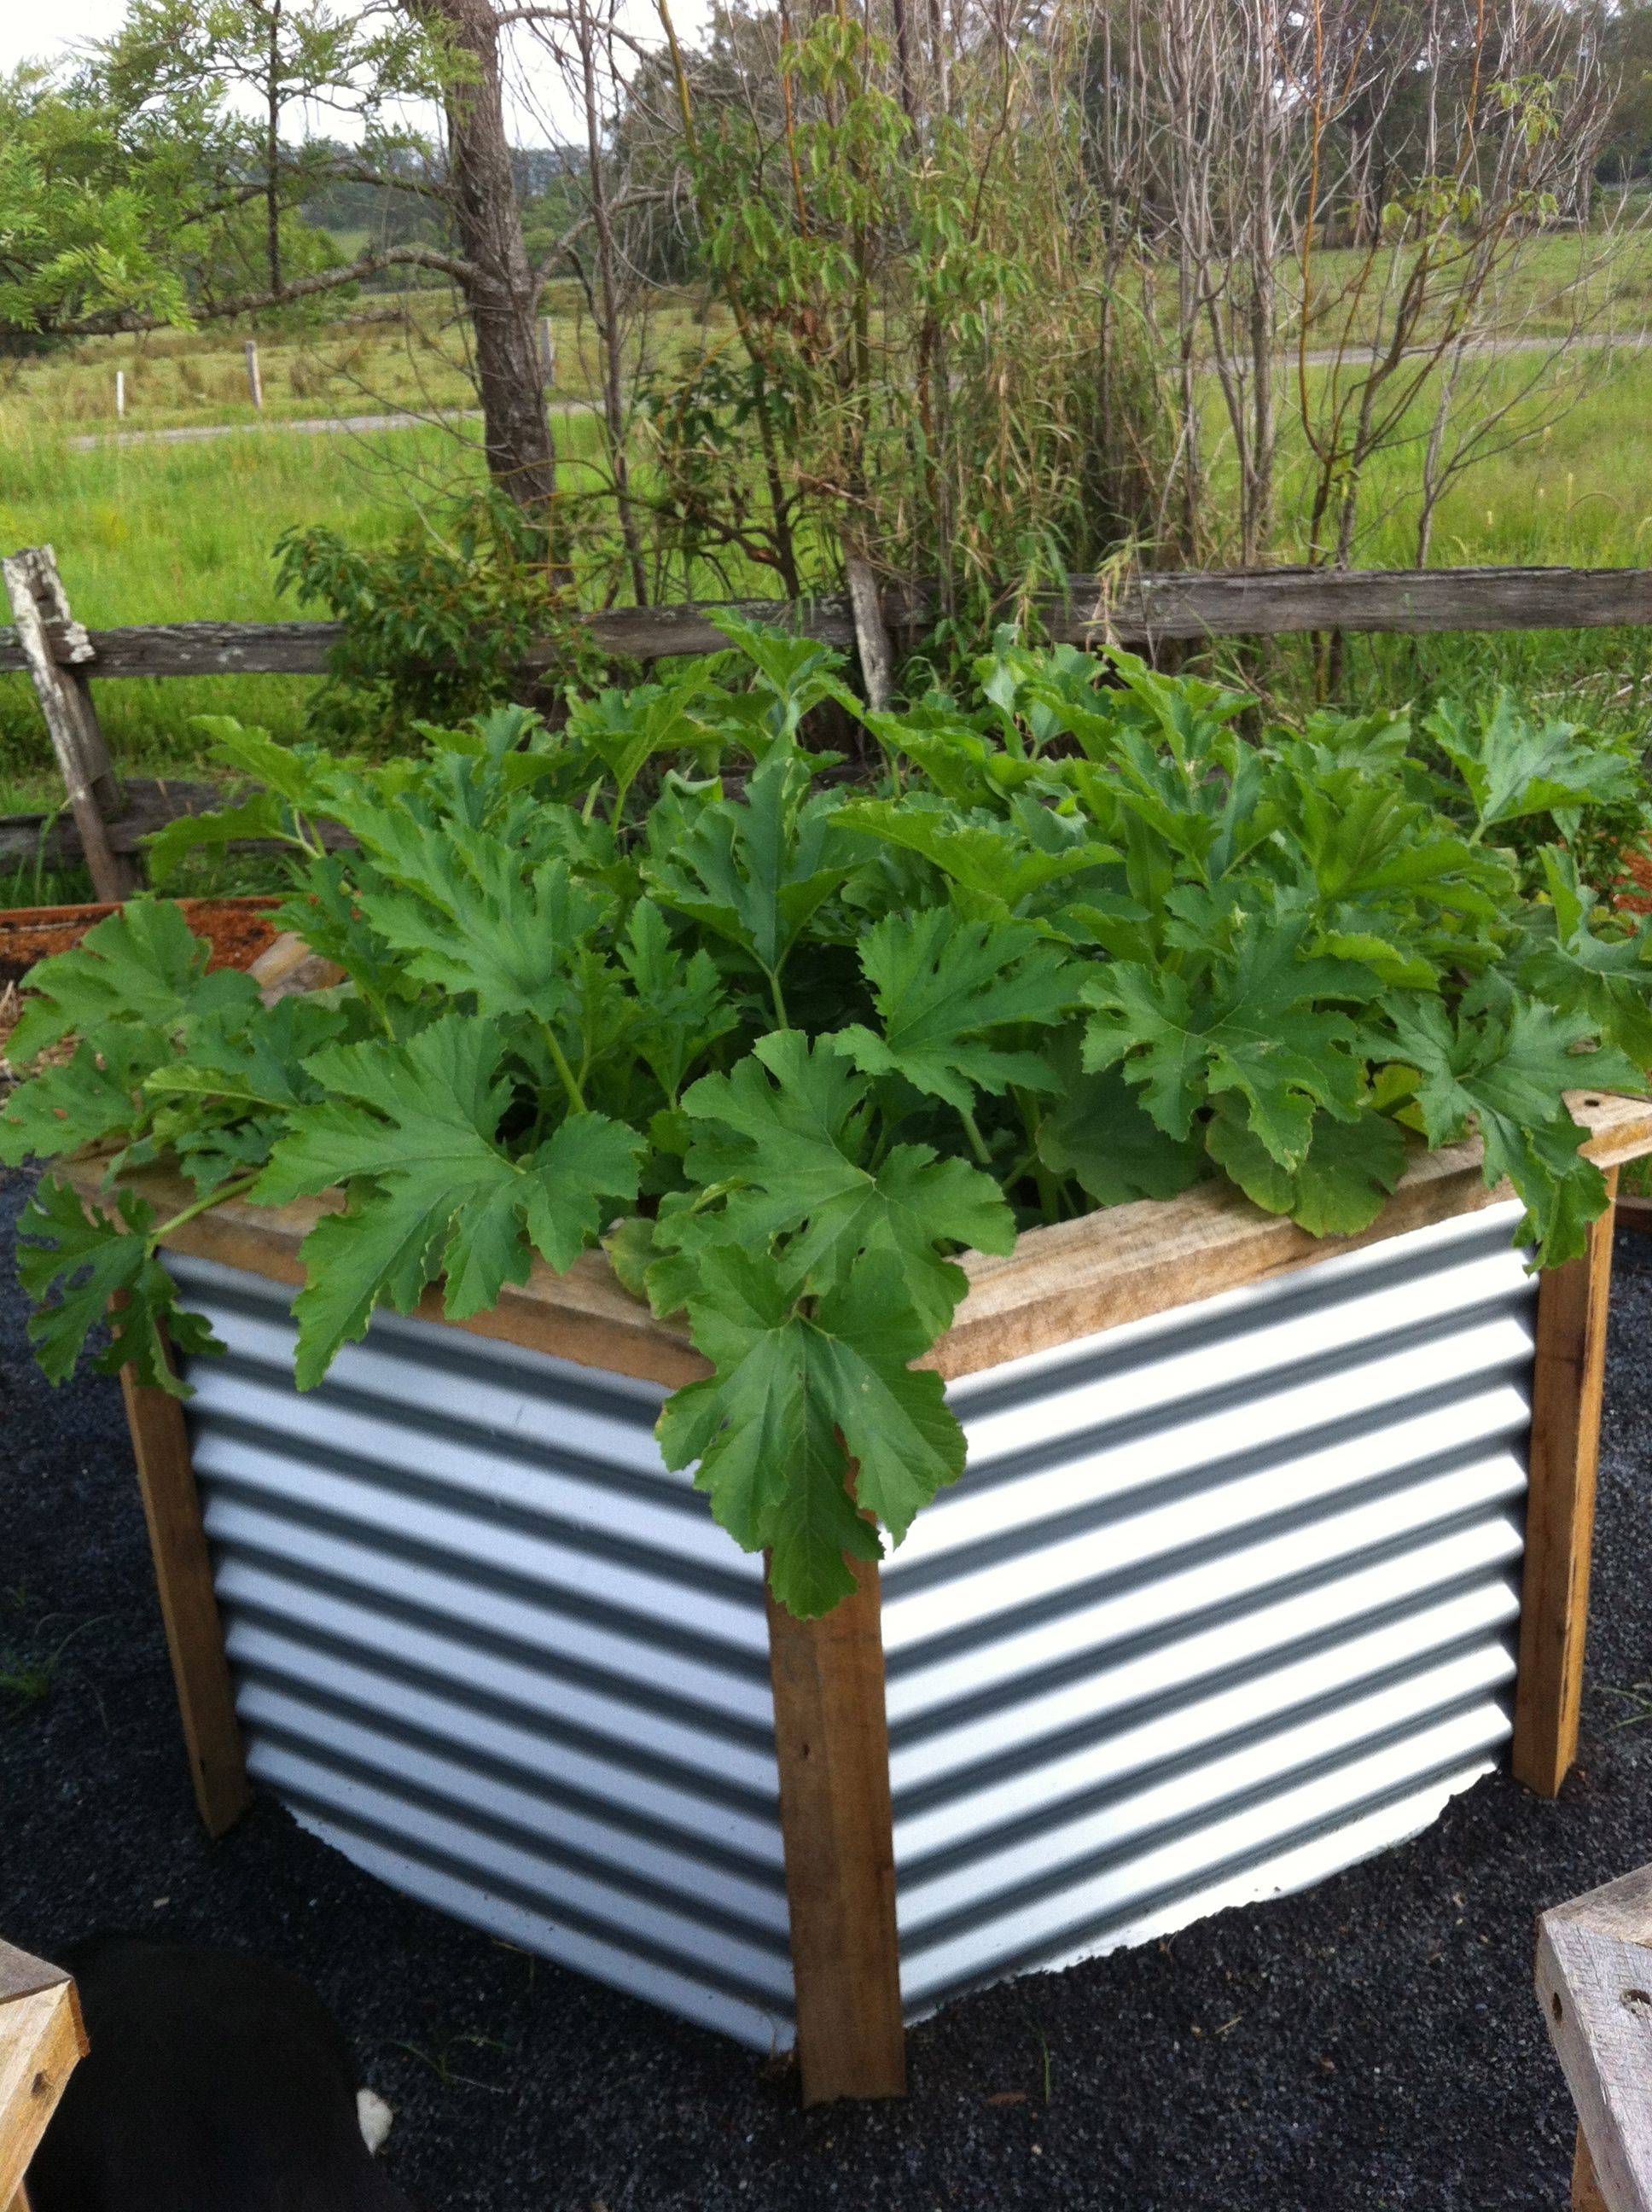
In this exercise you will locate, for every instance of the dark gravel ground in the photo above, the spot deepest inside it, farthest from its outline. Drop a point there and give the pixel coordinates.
(1373, 2042)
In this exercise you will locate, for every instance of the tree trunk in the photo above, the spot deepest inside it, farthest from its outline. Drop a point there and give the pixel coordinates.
(272, 150)
(604, 300)
(502, 297)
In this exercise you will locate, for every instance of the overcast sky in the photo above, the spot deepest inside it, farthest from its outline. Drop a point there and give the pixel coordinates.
(29, 32)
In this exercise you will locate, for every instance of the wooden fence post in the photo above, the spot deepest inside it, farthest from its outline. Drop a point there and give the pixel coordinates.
(872, 636)
(189, 1604)
(831, 1738)
(1566, 1384)
(40, 607)
(254, 375)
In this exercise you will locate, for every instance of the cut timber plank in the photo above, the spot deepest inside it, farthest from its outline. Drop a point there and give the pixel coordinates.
(37, 599)
(1059, 1284)
(831, 1740)
(149, 804)
(1566, 1387)
(1594, 1985)
(41, 2041)
(1635, 1213)
(189, 1607)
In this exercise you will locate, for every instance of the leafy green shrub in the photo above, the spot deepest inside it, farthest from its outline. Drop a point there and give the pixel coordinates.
(436, 624)
(787, 1044)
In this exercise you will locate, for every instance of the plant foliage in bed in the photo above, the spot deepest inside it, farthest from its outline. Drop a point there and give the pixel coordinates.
(788, 1037)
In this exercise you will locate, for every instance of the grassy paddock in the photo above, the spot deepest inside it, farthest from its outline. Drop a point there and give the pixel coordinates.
(169, 533)
(413, 358)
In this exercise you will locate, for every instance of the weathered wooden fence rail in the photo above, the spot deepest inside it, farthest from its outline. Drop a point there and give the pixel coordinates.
(62, 656)
(1144, 610)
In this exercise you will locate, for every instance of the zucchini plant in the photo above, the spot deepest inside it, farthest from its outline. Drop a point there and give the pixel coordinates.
(788, 1038)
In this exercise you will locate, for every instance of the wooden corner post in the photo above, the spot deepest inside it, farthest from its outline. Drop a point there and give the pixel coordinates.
(189, 1605)
(831, 1738)
(1566, 1385)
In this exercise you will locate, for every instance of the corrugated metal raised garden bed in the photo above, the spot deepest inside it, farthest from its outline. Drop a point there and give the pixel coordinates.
(1229, 1597)
(1067, 1472)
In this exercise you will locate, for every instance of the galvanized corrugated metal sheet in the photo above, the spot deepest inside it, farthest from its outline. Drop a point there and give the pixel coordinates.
(1224, 1602)
(487, 1645)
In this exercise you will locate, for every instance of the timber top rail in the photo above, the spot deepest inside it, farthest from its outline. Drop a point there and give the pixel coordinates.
(1121, 1263)
(1185, 606)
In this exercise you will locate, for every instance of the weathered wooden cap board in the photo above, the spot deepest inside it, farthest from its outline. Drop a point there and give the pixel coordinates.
(1118, 1265)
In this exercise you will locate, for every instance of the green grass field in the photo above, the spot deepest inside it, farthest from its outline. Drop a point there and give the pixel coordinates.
(413, 360)
(1543, 287)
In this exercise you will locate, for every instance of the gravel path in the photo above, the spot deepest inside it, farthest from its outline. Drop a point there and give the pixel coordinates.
(1371, 2044)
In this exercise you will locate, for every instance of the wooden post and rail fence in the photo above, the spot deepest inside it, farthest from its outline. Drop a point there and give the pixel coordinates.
(108, 823)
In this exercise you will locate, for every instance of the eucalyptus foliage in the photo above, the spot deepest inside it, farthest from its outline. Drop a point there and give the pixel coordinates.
(788, 1040)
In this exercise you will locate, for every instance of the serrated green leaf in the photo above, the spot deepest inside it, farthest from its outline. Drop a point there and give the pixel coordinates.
(1504, 1076)
(73, 1265)
(1260, 1028)
(793, 1393)
(1513, 766)
(470, 924)
(97, 1096)
(1099, 1133)
(255, 1061)
(413, 1130)
(991, 861)
(754, 872)
(683, 1006)
(1343, 1183)
(787, 1141)
(942, 986)
(249, 820)
(1571, 964)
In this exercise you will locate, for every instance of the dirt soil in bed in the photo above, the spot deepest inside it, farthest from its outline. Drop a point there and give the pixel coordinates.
(1373, 2042)
(238, 929)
